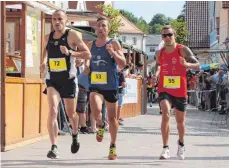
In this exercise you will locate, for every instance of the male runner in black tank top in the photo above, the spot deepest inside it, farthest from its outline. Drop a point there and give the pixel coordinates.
(59, 58)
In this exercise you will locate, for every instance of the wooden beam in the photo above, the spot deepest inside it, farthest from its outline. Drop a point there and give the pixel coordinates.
(42, 36)
(13, 14)
(13, 2)
(134, 61)
(23, 60)
(41, 56)
(3, 73)
(77, 18)
(23, 39)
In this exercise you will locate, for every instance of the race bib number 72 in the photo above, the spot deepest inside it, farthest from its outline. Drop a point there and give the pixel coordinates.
(57, 64)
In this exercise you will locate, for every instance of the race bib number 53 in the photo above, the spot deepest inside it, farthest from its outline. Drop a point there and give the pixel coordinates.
(98, 78)
(57, 64)
(171, 82)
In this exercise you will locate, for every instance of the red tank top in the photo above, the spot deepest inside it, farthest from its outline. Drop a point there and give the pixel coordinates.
(172, 74)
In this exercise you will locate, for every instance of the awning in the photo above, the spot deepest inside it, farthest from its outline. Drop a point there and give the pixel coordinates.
(209, 66)
(76, 16)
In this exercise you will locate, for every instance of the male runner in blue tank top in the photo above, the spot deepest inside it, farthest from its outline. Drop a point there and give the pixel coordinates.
(106, 56)
(59, 57)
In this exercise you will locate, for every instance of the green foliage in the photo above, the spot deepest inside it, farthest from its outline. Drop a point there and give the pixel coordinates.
(157, 22)
(114, 21)
(139, 22)
(160, 19)
(156, 29)
(181, 30)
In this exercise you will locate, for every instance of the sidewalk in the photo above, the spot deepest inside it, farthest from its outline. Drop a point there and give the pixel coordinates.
(139, 146)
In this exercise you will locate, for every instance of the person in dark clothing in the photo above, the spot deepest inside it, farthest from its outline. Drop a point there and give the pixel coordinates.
(122, 85)
(58, 59)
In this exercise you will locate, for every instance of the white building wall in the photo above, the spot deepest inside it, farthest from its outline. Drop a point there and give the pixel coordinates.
(130, 41)
(222, 34)
(148, 52)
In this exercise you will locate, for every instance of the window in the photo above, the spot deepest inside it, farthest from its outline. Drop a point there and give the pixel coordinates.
(134, 40)
(124, 39)
(152, 49)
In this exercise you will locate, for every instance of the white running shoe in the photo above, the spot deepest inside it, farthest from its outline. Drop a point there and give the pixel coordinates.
(181, 152)
(165, 154)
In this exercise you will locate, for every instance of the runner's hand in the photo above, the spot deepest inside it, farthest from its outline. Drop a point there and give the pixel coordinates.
(86, 70)
(64, 50)
(110, 49)
(79, 62)
(183, 62)
(42, 67)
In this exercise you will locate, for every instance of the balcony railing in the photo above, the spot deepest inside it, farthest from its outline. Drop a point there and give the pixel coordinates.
(225, 4)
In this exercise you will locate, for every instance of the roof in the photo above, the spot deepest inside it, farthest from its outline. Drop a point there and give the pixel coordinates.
(76, 16)
(92, 36)
(128, 27)
(152, 39)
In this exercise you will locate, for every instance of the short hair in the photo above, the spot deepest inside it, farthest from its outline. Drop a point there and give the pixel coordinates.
(102, 18)
(166, 27)
(60, 10)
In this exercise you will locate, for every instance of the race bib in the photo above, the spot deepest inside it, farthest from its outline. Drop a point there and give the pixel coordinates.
(171, 82)
(57, 64)
(98, 78)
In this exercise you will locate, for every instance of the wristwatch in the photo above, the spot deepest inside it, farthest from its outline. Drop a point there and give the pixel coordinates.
(69, 53)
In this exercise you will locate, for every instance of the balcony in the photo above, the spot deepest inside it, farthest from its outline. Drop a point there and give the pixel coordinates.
(225, 4)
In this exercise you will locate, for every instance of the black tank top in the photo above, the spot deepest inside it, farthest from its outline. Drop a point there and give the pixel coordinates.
(59, 64)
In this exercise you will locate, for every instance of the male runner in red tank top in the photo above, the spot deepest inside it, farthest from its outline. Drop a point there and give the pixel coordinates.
(172, 62)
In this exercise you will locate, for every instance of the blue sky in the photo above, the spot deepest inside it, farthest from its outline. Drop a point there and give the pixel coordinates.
(147, 9)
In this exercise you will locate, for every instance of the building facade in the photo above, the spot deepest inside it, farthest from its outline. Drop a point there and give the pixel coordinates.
(131, 34)
(197, 19)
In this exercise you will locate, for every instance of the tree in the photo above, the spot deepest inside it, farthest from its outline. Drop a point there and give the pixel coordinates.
(181, 31)
(159, 19)
(157, 22)
(156, 29)
(114, 21)
(130, 16)
(139, 22)
(182, 14)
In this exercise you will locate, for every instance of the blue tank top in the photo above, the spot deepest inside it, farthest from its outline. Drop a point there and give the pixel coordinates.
(103, 73)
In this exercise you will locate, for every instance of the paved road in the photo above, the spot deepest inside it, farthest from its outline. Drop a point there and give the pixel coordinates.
(139, 146)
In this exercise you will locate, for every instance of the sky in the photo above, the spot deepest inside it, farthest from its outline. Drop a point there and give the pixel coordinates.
(147, 9)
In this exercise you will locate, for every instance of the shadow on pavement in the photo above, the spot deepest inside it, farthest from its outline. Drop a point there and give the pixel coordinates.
(212, 145)
(65, 163)
(172, 158)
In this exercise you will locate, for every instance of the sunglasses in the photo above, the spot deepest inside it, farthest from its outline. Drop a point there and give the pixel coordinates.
(165, 35)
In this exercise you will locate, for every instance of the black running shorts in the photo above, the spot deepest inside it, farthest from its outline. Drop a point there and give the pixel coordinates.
(82, 101)
(66, 88)
(180, 103)
(110, 96)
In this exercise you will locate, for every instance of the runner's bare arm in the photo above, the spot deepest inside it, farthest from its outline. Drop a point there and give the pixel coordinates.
(158, 66)
(118, 54)
(82, 49)
(87, 62)
(192, 62)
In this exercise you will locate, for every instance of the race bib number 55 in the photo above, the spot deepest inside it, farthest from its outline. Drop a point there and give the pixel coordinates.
(98, 78)
(172, 82)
